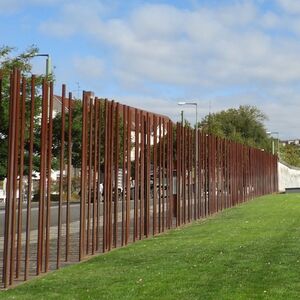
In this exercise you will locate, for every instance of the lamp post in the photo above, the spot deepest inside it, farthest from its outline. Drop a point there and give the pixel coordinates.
(48, 63)
(194, 104)
(48, 72)
(273, 144)
(181, 114)
(196, 144)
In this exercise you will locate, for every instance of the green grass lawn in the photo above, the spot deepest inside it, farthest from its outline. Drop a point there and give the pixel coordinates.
(248, 252)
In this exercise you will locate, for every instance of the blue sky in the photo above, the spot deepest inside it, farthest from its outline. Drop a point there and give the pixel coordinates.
(152, 54)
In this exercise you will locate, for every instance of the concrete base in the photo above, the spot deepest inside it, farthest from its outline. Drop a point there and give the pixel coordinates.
(292, 190)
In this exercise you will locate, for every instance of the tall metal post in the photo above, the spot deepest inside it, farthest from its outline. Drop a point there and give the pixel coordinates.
(196, 144)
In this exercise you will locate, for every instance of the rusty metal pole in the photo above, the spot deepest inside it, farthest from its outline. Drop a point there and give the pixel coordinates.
(154, 175)
(21, 174)
(117, 151)
(95, 177)
(15, 180)
(168, 154)
(100, 154)
(128, 187)
(143, 140)
(178, 173)
(30, 170)
(90, 172)
(217, 174)
(183, 162)
(69, 175)
(159, 173)
(136, 173)
(61, 177)
(148, 162)
(222, 171)
(105, 199)
(189, 164)
(45, 175)
(202, 175)
(49, 161)
(196, 161)
(42, 185)
(9, 205)
(108, 186)
(110, 173)
(164, 183)
(199, 174)
(171, 168)
(124, 174)
(85, 99)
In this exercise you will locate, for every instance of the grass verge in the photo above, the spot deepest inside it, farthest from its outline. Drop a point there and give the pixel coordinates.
(251, 251)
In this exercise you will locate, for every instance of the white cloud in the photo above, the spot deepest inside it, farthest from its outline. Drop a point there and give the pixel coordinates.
(290, 6)
(9, 6)
(89, 67)
(168, 45)
(199, 50)
(13, 6)
(270, 20)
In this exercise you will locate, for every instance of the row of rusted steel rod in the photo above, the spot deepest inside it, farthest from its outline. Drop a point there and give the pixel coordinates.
(22, 139)
(140, 175)
(136, 159)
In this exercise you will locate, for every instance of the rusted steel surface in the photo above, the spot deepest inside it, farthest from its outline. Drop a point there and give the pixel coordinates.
(30, 171)
(61, 175)
(142, 187)
(155, 193)
(69, 178)
(15, 180)
(147, 177)
(140, 174)
(49, 183)
(123, 176)
(128, 177)
(21, 173)
(136, 172)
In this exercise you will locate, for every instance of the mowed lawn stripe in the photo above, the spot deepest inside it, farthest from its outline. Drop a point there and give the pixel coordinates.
(251, 251)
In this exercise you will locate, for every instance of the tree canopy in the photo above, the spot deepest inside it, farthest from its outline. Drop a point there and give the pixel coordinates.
(8, 61)
(244, 125)
(290, 154)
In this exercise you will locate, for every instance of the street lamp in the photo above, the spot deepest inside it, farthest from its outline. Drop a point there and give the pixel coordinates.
(181, 114)
(196, 144)
(48, 63)
(48, 72)
(273, 146)
(191, 103)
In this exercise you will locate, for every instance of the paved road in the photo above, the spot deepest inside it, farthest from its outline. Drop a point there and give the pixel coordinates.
(73, 237)
(74, 216)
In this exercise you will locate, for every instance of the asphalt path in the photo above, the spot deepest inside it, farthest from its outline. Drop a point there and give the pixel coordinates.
(74, 216)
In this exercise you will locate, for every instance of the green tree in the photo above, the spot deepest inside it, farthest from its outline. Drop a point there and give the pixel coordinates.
(76, 135)
(244, 125)
(187, 124)
(8, 61)
(290, 154)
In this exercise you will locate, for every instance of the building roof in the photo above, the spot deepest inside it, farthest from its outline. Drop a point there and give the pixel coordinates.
(57, 103)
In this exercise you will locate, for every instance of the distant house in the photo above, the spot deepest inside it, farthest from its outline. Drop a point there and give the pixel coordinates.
(3, 190)
(295, 142)
(57, 103)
